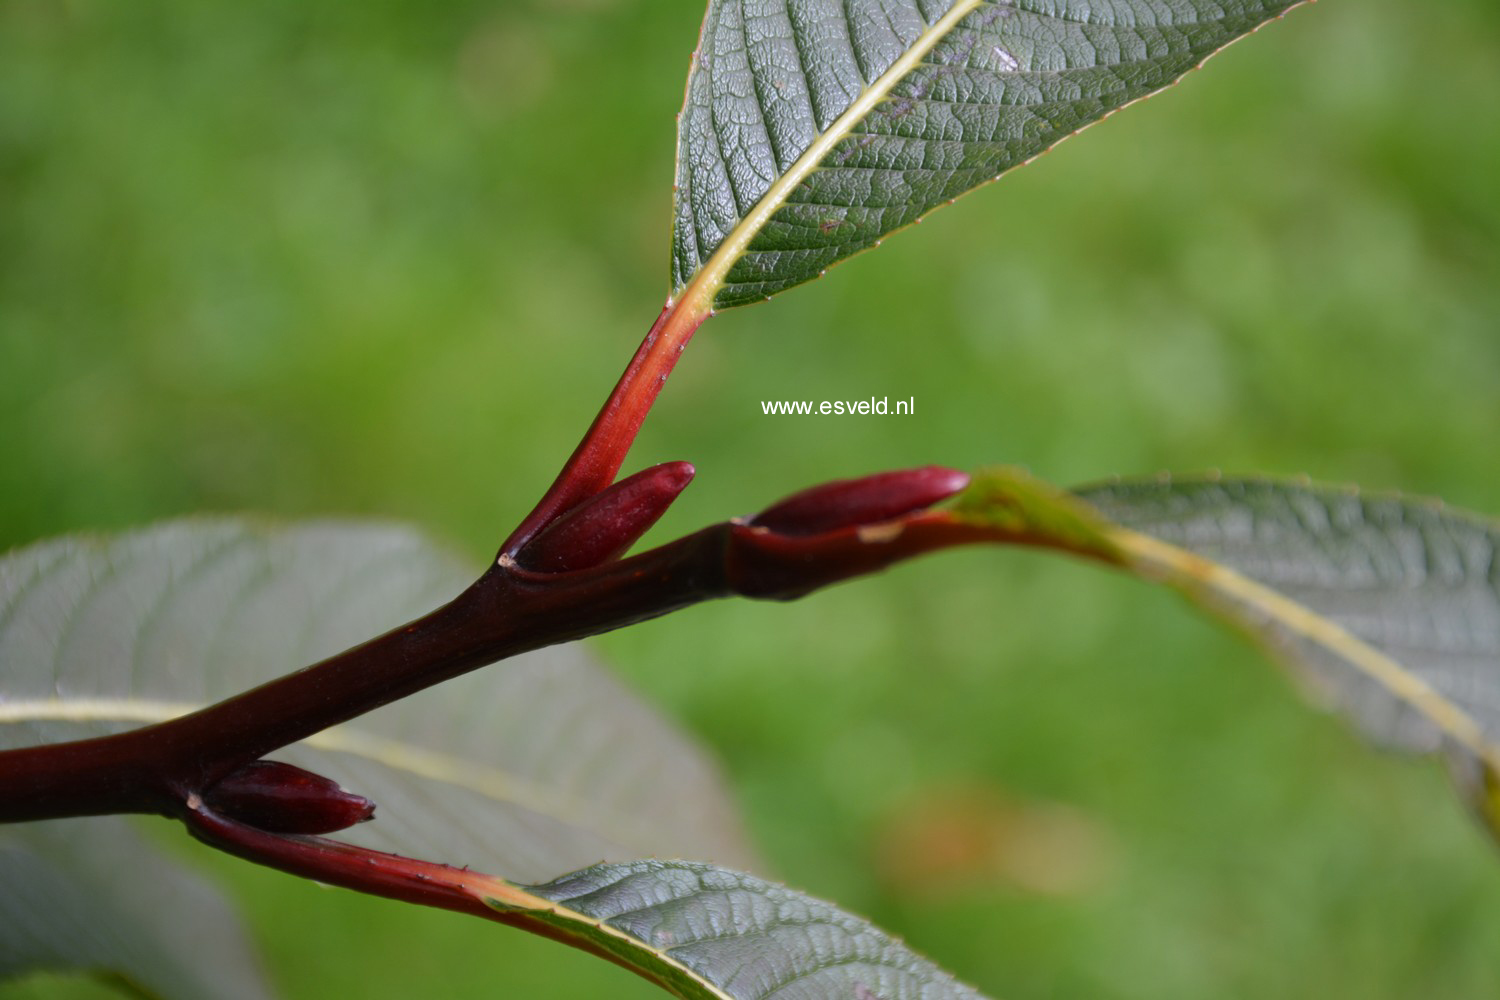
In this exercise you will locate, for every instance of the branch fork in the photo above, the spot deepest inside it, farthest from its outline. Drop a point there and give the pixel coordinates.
(561, 575)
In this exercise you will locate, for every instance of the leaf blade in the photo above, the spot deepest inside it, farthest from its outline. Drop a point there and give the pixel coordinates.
(811, 130)
(1405, 592)
(1388, 607)
(707, 933)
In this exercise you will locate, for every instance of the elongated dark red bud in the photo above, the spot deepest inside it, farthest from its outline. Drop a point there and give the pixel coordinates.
(849, 502)
(280, 798)
(604, 526)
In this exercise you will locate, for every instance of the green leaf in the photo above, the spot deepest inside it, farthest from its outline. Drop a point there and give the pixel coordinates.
(91, 895)
(813, 128)
(540, 764)
(1387, 607)
(705, 932)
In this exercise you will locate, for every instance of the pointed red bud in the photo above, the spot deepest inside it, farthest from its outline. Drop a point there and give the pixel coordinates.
(606, 525)
(850, 502)
(280, 798)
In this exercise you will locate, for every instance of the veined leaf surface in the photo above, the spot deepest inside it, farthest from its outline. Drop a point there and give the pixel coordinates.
(705, 933)
(537, 765)
(812, 128)
(1388, 606)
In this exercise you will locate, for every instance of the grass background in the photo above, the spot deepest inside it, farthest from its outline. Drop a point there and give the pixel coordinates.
(387, 258)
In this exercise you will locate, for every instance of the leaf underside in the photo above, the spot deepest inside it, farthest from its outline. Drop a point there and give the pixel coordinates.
(92, 895)
(1412, 579)
(813, 128)
(705, 932)
(1387, 607)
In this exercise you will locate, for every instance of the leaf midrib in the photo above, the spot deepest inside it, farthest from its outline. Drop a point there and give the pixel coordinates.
(504, 895)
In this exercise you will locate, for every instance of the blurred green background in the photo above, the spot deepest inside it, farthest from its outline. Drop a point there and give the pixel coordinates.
(387, 258)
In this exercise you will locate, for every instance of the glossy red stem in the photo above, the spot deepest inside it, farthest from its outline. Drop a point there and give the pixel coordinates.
(166, 768)
(507, 611)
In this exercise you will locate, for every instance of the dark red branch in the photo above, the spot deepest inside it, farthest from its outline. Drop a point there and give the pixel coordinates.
(508, 611)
